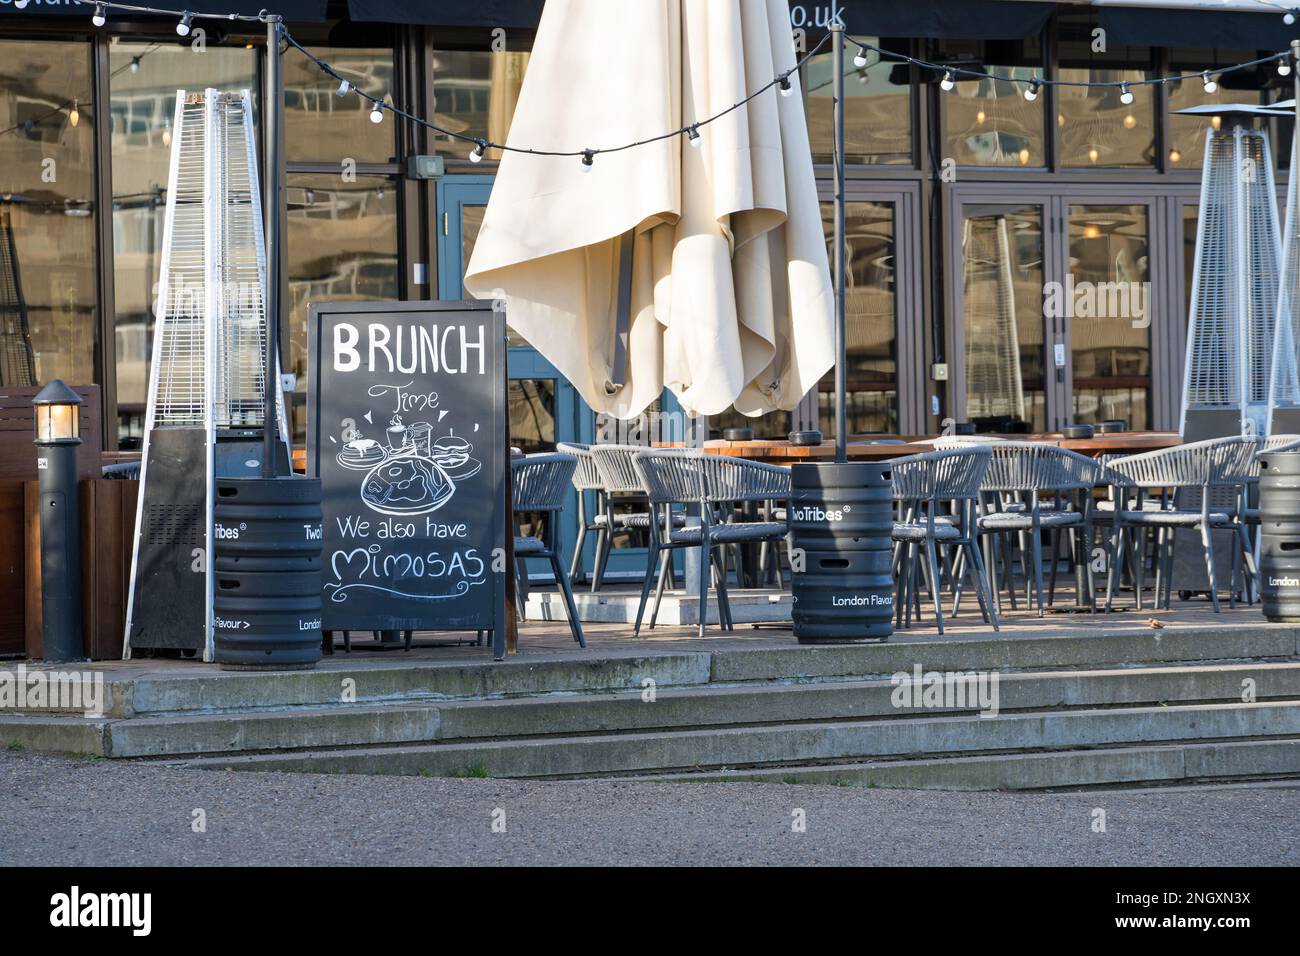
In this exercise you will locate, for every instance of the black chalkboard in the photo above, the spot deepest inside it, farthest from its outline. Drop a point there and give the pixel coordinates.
(406, 430)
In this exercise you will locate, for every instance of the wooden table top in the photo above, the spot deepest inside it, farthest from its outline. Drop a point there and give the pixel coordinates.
(782, 452)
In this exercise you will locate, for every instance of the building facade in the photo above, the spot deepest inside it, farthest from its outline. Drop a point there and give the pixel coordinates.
(1019, 264)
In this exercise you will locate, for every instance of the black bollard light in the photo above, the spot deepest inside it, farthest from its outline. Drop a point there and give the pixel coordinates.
(58, 433)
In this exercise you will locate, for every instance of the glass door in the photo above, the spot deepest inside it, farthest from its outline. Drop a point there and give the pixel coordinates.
(1005, 342)
(1106, 300)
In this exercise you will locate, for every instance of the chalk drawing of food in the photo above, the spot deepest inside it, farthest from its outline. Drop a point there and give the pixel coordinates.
(407, 484)
(452, 454)
(361, 454)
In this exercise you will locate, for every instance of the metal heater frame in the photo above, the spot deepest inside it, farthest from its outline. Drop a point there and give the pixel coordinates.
(231, 256)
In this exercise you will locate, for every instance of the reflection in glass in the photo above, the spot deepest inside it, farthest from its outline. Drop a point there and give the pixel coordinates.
(1191, 217)
(1111, 314)
(321, 125)
(989, 122)
(144, 78)
(475, 93)
(877, 107)
(1187, 133)
(1097, 128)
(870, 321)
(47, 214)
(342, 247)
(1002, 259)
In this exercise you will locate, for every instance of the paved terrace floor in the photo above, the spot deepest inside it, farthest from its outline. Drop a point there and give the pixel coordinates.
(549, 640)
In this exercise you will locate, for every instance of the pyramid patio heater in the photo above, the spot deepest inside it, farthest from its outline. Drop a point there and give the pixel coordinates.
(1232, 323)
(207, 380)
(1284, 395)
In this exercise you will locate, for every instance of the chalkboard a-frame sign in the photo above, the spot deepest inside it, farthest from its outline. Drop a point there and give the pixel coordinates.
(406, 430)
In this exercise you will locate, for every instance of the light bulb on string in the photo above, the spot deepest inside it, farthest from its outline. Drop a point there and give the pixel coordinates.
(344, 86)
(860, 58)
(1210, 85)
(588, 160)
(167, 133)
(784, 86)
(1174, 155)
(377, 113)
(693, 136)
(183, 27)
(74, 116)
(1130, 121)
(947, 83)
(135, 64)
(20, 4)
(1031, 91)
(1125, 94)
(1284, 66)
(99, 18)
(1290, 16)
(477, 155)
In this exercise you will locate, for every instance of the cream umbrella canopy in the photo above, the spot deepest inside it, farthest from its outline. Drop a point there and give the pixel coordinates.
(725, 283)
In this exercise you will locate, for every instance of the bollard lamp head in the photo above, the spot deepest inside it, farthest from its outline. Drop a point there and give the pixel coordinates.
(57, 418)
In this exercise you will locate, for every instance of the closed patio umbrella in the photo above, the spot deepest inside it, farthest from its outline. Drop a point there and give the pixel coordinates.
(711, 259)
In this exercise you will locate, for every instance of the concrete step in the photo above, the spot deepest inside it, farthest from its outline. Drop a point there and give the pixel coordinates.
(1197, 764)
(796, 743)
(343, 725)
(136, 690)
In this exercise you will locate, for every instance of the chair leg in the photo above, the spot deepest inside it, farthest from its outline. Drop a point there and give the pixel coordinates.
(983, 586)
(645, 589)
(706, 566)
(575, 566)
(1036, 554)
(1055, 538)
(935, 593)
(566, 589)
(1207, 539)
(521, 586)
(720, 586)
(665, 571)
(1251, 571)
(603, 545)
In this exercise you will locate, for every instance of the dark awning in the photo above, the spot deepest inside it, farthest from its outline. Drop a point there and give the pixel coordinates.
(509, 14)
(1146, 26)
(299, 10)
(955, 19)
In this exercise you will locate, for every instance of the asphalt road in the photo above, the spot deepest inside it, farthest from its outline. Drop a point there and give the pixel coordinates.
(69, 811)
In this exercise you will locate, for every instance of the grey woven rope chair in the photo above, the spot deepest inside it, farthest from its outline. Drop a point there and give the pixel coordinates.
(623, 488)
(714, 484)
(938, 495)
(1206, 479)
(540, 484)
(1020, 474)
(586, 480)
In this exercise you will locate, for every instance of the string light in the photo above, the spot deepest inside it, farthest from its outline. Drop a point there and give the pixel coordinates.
(860, 58)
(785, 86)
(1210, 85)
(947, 83)
(377, 114)
(1290, 16)
(344, 86)
(99, 19)
(477, 155)
(1284, 67)
(1125, 94)
(1031, 91)
(135, 64)
(183, 27)
(588, 160)
(74, 115)
(20, 4)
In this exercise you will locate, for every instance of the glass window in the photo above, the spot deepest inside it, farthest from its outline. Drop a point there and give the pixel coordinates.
(1110, 328)
(342, 247)
(143, 80)
(989, 122)
(475, 93)
(1002, 294)
(870, 321)
(1187, 133)
(1096, 127)
(321, 125)
(48, 295)
(877, 107)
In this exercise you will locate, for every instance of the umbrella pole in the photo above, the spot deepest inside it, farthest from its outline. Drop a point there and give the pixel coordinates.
(274, 198)
(841, 358)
